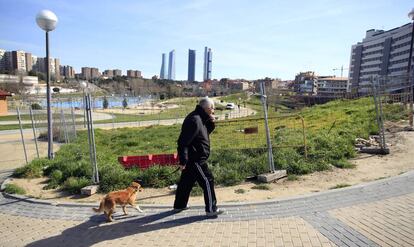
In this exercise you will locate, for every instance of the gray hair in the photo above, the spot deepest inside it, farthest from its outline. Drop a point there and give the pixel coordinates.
(206, 102)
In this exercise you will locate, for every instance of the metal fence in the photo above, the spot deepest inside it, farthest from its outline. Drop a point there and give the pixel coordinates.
(245, 124)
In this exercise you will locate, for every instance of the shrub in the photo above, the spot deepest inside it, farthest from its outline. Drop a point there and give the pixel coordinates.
(105, 103)
(74, 185)
(261, 187)
(33, 170)
(196, 191)
(343, 163)
(36, 106)
(55, 179)
(292, 177)
(14, 189)
(240, 191)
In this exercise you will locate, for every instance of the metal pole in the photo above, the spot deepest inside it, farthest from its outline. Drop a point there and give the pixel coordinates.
(94, 147)
(377, 113)
(304, 136)
(84, 109)
(21, 133)
(73, 122)
(410, 57)
(34, 131)
(113, 121)
(381, 117)
(64, 126)
(89, 138)
(269, 144)
(49, 112)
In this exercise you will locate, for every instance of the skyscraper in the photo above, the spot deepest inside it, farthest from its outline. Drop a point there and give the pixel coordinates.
(171, 65)
(163, 68)
(208, 57)
(191, 65)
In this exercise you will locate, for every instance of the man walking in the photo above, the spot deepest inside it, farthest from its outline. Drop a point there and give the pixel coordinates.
(193, 152)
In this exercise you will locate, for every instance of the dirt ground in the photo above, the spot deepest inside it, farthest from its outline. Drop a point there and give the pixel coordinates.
(368, 168)
(12, 152)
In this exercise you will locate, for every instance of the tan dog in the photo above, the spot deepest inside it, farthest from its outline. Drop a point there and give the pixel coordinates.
(121, 197)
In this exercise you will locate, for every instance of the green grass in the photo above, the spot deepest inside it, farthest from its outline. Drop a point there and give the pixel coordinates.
(338, 186)
(240, 191)
(14, 189)
(330, 133)
(185, 106)
(292, 177)
(261, 187)
(196, 191)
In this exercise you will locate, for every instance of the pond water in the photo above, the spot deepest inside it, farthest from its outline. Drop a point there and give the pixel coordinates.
(97, 102)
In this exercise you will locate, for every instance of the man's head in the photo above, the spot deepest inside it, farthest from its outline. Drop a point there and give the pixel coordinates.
(207, 104)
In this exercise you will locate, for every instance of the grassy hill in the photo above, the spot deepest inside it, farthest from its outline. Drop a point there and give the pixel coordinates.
(330, 131)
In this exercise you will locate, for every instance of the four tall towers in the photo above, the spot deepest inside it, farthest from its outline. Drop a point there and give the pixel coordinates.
(207, 66)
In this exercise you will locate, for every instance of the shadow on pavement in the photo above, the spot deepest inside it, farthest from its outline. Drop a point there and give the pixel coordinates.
(94, 231)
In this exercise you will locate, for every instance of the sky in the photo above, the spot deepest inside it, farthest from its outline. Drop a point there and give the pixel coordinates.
(249, 39)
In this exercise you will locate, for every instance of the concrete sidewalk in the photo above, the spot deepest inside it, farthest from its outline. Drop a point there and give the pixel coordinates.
(379, 213)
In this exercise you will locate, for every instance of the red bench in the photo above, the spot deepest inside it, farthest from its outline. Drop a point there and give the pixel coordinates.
(146, 161)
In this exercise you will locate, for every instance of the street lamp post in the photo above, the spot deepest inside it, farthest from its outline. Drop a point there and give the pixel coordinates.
(410, 58)
(47, 21)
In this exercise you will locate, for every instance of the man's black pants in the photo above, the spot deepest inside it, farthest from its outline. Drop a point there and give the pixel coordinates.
(196, 172)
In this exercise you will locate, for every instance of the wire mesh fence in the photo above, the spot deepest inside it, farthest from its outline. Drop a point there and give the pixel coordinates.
(240, 127)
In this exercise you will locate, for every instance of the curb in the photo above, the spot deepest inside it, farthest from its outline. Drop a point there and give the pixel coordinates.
(199, 206)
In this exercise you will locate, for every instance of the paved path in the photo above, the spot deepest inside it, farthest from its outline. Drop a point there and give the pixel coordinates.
(380, 213)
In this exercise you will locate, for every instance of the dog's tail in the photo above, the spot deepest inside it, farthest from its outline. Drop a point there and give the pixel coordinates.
(101, 207)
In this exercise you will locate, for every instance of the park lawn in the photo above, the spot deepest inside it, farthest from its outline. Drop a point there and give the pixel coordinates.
(330, 133)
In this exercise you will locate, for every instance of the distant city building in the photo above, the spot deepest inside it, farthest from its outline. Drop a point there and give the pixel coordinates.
(171, 65)
(208, 58)
(380, 53)
(19, 61)
(268, 83)
(89, 73)
(54, 67)
(35, 63)
(95, 73)
(29, 62)
(117, 72)
(108, 73)
(163, 67)
(57, 69)
(86, 73)
(191, 65)
(331, 86)
(134, 73)
(67, 71)
(239, 85)
(306, 83)
(3, 60)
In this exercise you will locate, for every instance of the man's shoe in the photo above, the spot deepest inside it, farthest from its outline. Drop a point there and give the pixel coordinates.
(177, 210)
(215, 213)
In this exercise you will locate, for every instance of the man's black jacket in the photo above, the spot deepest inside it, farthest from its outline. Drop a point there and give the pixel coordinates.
(194, 141)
